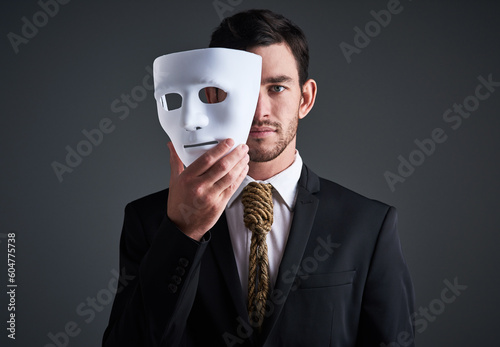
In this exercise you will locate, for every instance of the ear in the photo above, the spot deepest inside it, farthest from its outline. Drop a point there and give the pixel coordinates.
(309, 90)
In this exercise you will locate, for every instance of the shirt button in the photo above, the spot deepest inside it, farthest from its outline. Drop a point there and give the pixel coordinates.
(183, 262)
(172, 288)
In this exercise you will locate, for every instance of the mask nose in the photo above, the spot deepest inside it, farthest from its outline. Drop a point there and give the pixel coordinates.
(194, 116)
(194, 121)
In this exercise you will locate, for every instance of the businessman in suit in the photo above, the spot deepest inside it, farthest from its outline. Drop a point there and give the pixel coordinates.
(337, 276)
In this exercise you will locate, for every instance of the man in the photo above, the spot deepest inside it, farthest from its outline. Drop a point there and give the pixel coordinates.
(337, 276)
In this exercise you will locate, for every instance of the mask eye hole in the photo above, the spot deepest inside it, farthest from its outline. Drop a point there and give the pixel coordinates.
(212, 95)
(171, 101)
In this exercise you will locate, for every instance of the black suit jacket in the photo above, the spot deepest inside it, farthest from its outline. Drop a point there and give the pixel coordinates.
(342, 281)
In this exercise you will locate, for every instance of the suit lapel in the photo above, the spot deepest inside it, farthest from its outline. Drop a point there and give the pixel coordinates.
(224, 256)
(303, 219)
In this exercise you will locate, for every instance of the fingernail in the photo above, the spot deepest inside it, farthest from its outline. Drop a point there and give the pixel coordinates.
(230, 142)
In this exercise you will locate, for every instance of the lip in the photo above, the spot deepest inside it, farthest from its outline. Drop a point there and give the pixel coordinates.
(261, 131)
(201, 144)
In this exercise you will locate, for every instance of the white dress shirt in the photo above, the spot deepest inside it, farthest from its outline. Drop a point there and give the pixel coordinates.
(284, 196)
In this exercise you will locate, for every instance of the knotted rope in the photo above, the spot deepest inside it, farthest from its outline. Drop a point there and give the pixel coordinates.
(257, 201)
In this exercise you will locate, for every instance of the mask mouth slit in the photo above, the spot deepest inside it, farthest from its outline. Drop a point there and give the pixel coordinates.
(202, 144)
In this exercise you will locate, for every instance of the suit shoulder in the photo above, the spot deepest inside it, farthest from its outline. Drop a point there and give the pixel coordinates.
(328, 191)
(154, 202)
(149, 211)
(347, 197)
(358, 214)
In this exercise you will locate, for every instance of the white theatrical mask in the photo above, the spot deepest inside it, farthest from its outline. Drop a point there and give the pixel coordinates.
(206, 95)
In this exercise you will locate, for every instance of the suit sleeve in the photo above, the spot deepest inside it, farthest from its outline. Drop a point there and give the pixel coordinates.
(158, 282)
(388, 299)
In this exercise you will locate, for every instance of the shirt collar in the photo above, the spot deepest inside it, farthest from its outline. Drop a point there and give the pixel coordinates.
(285, 183)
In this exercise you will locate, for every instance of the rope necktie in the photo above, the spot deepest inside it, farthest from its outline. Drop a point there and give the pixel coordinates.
(257, 202)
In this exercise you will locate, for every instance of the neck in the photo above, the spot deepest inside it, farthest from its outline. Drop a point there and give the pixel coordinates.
(264, 170)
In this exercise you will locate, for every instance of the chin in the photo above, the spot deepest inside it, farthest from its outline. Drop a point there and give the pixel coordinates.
(263, 156)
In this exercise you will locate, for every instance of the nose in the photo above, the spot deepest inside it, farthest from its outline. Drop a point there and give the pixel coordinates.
(193, 116)
(262, 110)
(193, 121)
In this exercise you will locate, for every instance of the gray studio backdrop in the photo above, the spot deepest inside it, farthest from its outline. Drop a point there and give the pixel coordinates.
(407, 113)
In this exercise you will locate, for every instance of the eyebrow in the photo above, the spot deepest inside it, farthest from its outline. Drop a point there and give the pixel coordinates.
(277, 79)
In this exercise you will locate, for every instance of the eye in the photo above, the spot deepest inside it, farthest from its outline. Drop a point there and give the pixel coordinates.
(212, 95)
(171, 101)
(277, 89)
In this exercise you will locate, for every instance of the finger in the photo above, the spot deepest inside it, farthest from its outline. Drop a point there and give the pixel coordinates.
(229, 191)
(207, 159)
(225, 165)
(234, 177)
(176, 166)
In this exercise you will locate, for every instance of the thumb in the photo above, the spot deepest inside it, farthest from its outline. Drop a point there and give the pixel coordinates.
(176, 166)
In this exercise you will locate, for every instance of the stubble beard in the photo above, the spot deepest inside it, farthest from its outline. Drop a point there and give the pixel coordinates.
(284, 139)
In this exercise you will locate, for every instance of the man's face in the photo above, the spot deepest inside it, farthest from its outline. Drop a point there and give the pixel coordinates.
(274, 126)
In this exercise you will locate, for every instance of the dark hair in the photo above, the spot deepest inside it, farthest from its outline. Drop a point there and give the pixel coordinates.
(252, 28)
